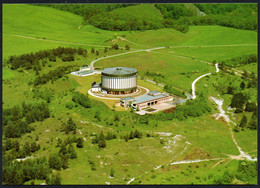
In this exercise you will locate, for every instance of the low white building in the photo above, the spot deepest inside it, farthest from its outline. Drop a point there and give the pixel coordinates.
(96, 87)
(84, 68)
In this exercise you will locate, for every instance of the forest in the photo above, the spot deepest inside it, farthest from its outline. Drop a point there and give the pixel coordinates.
(177, 16)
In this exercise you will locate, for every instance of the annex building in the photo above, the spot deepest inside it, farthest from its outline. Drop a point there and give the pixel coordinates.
(147, 100)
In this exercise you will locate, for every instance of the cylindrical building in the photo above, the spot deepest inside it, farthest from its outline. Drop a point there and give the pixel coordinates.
(119, 80)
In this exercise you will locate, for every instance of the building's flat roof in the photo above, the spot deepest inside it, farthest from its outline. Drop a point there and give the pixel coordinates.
(127, 98)
(154, 92)
(119, 71)
(97, 84)
(147, 97)
(85, 72)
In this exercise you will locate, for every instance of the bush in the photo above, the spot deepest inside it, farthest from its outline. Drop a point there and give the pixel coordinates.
(81, 99)
(80, 142)
(69, 105)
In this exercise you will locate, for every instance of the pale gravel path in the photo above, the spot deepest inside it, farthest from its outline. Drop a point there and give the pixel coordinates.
(217, 45)
(110, 98)
(194, 82)
(222, 113)
(57, 41)
(142, 50)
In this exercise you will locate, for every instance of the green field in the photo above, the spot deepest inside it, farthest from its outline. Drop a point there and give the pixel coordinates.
(164, 63)
(51, 24)
(187, 57)
(7, 74)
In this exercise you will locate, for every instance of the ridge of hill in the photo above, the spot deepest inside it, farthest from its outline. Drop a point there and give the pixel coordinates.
(139, 17)
(45, 23)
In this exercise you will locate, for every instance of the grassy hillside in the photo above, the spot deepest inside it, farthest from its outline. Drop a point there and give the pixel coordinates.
(140, 17)
(48, 23)
(210, 35)
(196, 36)
(142, 12)
(169, 65)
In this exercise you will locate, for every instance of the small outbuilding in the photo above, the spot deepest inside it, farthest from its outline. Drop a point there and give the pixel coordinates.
(96, 87)
(147, 100)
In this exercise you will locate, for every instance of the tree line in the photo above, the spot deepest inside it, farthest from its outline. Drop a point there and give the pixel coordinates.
(246, 172)
(81, 99)
(52, 75)
(17, 150)
(177, 16)
(86, 10)
(239, 61)
(228, 15)
(17, 173)
(169, 89)
(16, 120)
(38, 59)
(41, 168)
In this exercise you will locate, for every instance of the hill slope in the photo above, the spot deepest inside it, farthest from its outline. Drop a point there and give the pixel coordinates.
(44, 22)
(140, 17)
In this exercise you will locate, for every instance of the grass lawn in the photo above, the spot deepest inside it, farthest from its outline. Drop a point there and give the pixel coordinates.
(252, 67)
(168, 65)
(51, 24)
(7, 73)
(196, 36)
(214, 53)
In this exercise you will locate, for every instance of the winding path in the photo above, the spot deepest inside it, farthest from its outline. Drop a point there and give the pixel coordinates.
(110, 98)
(142, 50)
(194, 82)
(222, 113)
(217, 45)
(57, 41)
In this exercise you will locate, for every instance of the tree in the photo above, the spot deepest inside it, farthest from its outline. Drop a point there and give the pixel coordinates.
(63, 149)
(250, 106)
(253, 122)
(243, 122)
(126, 137)
(97, 52)
(127, 47)
(59, 142)
(98, 116)
(71, 126)
(54, 179)
(80, 142)
(102, 141)
(116, 118)
(245, 75)
(238, 101)
(92, 50)
(242, 85)
(71, 151)
(131, 135)
(115, 46)
(112, 172)
(16, 146)
(8, 144)
(55, 162)
(65, 161)
(34, 147)
(27, 148)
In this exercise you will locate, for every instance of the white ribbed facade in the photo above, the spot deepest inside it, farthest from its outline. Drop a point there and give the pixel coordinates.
(118, 83)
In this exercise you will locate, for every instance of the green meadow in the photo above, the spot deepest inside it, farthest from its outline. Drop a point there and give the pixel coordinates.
(169, 65)
(51, 24)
